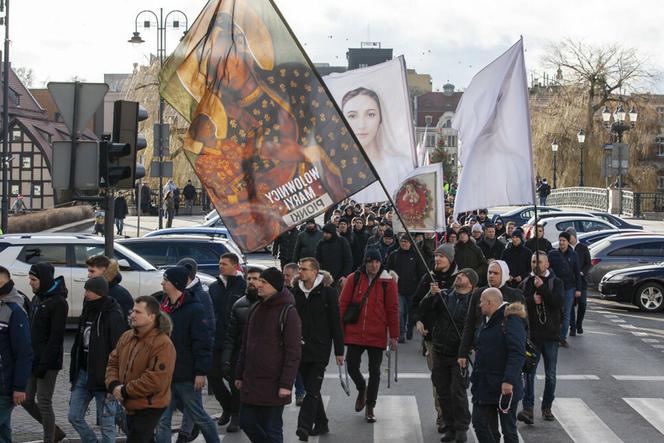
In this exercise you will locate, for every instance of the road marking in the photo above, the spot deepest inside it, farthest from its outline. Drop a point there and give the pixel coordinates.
(658, 346)
(618, 320)
(592, 331)
(627, 326)
(610, 315)
(572, 377)
(639, 377)
(405, 375)
(581, 423)
(640, 334)
(642, 317)
(399, 420)
(650, 340)
(652, 409)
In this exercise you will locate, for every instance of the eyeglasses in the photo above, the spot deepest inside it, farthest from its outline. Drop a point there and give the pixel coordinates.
(303, 269)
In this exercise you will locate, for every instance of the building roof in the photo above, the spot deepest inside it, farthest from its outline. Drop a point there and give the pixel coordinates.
(435, 104)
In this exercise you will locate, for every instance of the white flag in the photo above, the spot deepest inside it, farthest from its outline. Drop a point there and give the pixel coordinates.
(493, 121)
(422, 151)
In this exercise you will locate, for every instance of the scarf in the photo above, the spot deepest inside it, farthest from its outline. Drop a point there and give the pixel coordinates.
(168, 307)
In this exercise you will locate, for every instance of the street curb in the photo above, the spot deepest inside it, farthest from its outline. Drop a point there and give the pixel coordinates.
(71, 227)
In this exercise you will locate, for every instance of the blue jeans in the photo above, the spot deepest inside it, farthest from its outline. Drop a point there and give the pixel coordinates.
(568, 302)
(548, 351)
(184, 396)
(6, 408)
(403, 315)
(262, 424)
(78, 406)
(187, 422)
(299, 386)
(542, 201)
(576, 318)
(119, 225)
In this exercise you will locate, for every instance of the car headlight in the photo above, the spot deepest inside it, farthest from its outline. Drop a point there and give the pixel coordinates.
(617, 277)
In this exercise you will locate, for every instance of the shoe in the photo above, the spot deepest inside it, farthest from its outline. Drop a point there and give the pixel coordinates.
(579, 330)
(369, 415)
(440, 428)
(182, 438)
(194, 433)
(302, 434)
(547, 415)
(564, 344)
(572, 332)
(320, 430)
(448, 435)
(361, 401)
(526, 416)
(402, 340)
(299, 400)
(461, 437)
(224, 419)
(234, 425)
(59, 435)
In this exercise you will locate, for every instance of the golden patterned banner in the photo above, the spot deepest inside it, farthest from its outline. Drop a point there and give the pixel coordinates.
(265, 137)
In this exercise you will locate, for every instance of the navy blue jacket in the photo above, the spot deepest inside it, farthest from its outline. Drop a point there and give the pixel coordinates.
(192, 340)
(202, 294)
(121, 295)
(223, 299)
(15, 352)
(566, 267)
(501, 348)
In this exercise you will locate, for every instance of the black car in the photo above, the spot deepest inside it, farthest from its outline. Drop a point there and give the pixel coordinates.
(521, 215)
(642, 286)
(164, 252)
(616, 221)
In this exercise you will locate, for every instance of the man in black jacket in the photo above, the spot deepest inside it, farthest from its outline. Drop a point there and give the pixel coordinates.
(491, 247)
(565, 264)
(333, 255)
(447, 314)
(99, 327)
(120, 211)
(284, 245)
(102, 266)
(48, 318)
(517, 257)
(410, 269)
(318, 307)
(539, 242)
(225, 291)
(189, 193)
(468, 255)
(544, 298)
(361, 234)
(307, 241)
(580, 302)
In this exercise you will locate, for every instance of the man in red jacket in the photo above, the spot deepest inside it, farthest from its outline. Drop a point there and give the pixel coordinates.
(374, 292)
(269, 359)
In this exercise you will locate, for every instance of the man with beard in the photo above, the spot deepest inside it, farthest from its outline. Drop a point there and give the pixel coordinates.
(334, 255)
(491, 247)
(377, 236)
(361, 234)
(307, 241)
(517, 257)
(468, 255)
(539, 243)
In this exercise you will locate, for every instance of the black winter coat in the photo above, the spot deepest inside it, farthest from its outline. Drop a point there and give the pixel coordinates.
(189, 192)
(284, 245)
(223, 299)
(469, 255)
(120, 209)
(566, 268)
(444, 280)
(236, 324)
(518, 260)
(409, 268)
(48, 318)
(334, 256)
(321, 324)
(306, 243)
(542, 243)
(444, 338)
(107, 326)
(359, 245)
(583, 254)
(544, 320)
(121, 295)
(491, 252)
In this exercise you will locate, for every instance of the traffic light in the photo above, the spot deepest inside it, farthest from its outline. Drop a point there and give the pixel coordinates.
(117, 157)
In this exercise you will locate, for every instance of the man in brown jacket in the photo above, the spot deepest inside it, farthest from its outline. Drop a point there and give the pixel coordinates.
(140, 369)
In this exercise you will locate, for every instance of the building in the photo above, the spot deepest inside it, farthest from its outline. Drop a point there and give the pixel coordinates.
(368, 54)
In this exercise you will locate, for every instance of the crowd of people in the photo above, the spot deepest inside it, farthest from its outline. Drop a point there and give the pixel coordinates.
(477, 292)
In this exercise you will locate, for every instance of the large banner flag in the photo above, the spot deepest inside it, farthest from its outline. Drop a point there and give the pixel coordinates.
(420, 199)
(265, 138)
(493, 121)
(376, 105)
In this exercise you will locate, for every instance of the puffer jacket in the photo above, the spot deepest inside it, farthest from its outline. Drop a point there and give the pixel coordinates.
(469, 255)
(444, 338)
(306, 243)
(236, 324)
(143, 364)
(380, 314)
(334, 255)
(15, 349)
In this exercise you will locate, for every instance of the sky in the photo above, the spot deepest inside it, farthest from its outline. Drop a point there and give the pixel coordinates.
(450, 40)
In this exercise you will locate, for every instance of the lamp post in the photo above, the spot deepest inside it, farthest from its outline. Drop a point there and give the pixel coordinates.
(162, 24)
(618, 127)
(581, 137)
(554, 149)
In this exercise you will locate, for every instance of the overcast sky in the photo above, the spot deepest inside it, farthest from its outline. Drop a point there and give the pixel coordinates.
(450, 40)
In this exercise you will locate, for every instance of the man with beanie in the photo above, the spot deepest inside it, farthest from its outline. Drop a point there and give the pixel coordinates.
(307, 241)
(386, 245)
(226, 290)
(410, 269)
(48, 318)
(318, 306)
(517, 257)
(102, 266)
(15, 352)
(446, 312)
(269, 360)
(491, 247)
(361, 234)
(565, 265)
(580, 302)
(467, 254)
(345, 231)
(443, 271)
(193, 345)
(99, 327)
(334, 255)
(372, 293)
(477, 232)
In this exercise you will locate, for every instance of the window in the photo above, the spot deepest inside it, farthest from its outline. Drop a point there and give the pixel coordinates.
(590, 225)
(430, 141)
(448, 123)
(660, 114)
(645, 249)
(201, 253)
(54, 254)
(527, 214)
(36, 190)
(15, 189)
(26, 162)
(451, 141)
(428, 119)
(83, 252)
(156, 254)
(560, 227)
(17, 135)
(660, 182)
(660, 148)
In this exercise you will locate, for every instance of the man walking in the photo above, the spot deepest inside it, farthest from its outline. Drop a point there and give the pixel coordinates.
(99, 327)
(120, 212)
(284, 245)
(543, 191)
(269, 359)
(468, 254)
(48, 318)
(102, 266)
(517, 257)
(334, 255)
(189, 193)
(372, 293)
(539, 242)
(496, 377)
(544, 299)
(491, 247)
(15, 352)
(307, 241)
(565, 264)
(318, 307)
(580, 302)
(140, 369)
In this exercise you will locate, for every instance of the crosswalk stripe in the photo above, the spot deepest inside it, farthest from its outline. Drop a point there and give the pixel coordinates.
(405, 375)
(399, 420)
(639, 377)
(581, 423)
(571, 377)
(652, 409)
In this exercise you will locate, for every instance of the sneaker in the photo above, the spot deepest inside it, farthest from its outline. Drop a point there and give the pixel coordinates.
(234, 425)
(547, 415)
(448, 435)
(461, 437)
(299, 400)
(563, 343)
(224, 419)
(361, 400)
(302, 434)
(526, 416)
(320, 430)
(369, 415)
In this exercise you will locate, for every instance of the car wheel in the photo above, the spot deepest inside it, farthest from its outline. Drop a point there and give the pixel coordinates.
(650, 297)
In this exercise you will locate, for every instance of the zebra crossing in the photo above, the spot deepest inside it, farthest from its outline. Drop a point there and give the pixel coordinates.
(401, 420)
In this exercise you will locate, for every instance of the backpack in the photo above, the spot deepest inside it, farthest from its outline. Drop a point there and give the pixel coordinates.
(283, 316)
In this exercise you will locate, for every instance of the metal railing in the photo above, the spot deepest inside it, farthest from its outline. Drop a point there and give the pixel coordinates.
(648, 202)
(627, 203)
(580, 197)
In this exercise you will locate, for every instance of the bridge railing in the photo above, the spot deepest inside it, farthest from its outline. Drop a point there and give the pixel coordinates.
(596, 199)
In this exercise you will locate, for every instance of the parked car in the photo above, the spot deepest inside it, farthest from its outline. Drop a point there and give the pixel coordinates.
(212, 214)
(555, 225)
(641, 285)
(522, 214)
(623, 251)
(610, 218)
(68, 253)
(164, 252)
(590, 238)
(189, 230)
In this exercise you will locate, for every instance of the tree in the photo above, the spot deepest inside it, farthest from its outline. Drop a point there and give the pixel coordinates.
(26, 75)
(440, 155)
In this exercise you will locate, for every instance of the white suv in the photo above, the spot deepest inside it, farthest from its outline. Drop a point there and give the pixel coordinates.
(68, 253)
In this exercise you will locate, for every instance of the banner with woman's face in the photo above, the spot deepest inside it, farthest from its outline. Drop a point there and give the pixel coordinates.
(376, 104)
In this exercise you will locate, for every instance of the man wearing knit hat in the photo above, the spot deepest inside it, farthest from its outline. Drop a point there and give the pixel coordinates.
(477, 232)
(468, 254)
(517, 257)
(334, 255)
(193, 345)
(99, 327)
(269, 359)
(386, 245)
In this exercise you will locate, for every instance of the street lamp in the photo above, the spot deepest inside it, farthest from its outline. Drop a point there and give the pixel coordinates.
(554, 148)
(581, 137)
(162, 24)
(618, 128)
